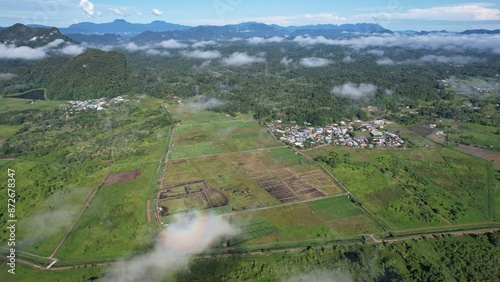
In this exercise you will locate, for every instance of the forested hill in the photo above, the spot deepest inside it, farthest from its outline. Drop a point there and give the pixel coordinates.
(93, 74)
(21, 35)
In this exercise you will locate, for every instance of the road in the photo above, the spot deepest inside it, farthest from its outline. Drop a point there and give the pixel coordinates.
(271, 248)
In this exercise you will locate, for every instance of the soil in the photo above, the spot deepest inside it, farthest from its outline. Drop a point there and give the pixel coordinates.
(121, 177)
(481, 153)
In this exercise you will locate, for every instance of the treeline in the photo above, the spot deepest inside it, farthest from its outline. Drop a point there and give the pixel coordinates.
(467, 258)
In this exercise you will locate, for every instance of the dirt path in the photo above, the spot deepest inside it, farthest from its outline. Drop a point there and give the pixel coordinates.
(86, 205)
(164, 172)
(148, 210)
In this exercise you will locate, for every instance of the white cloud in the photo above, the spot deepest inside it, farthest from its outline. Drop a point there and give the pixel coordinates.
(285, 61)
(354, 91)
(198, 54)
(207, 103)
(187, 235)
(172, 44)
(23, 52)
(203, 43)
(138, 13)
(157, 12)
(72, 50)
(132, 47)
(119, 11)
(376, 52)
(307, 40)
(154, 52)
(87, 7)
(448, 41)
(262, 40)
(314, 62)
(241, 59)
(55, 47)
(460, 60)
(7, 75)
(348, 59)
(54, 43)
(385, 62)
(468, 12)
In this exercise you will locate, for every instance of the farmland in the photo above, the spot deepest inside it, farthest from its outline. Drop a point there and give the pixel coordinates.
(204, 133)
(418, 187)
(229, 165)
(97, 165)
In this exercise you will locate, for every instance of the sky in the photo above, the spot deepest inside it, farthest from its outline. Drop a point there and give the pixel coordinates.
(391, 14)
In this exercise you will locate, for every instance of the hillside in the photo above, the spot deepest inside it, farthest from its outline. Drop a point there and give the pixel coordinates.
(21, 35)
(92, 74)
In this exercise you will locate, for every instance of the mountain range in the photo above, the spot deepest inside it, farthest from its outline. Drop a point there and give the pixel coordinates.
(121, 31)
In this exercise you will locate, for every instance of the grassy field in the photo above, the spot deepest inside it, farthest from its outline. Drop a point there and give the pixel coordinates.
(421, 187)
(60, 160)
(7, 131)
(205, 133)
(115, 221)
(475, 134)
(320, 219)
(15, 104)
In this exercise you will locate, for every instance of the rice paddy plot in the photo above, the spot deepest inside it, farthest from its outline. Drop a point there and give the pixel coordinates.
(254, 179)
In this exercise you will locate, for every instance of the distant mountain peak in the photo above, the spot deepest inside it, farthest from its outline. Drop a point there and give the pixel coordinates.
(22, 35)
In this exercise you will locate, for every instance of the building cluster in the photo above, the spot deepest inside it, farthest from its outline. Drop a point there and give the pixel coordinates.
(357, 134)
(96, 104)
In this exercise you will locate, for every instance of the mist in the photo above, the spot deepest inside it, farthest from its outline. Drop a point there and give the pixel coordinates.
(318, 275)
(207, 103)
(189, 234)
(7, 75)
(241, 59)
(354, 91)
(314, 62)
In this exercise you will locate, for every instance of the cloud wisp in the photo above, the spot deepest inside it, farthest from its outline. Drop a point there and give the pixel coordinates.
(315, 62)
(157, 12)
(240, 59)
(262, 40)
(189, 234)
(87, 7)
(354, 91)
(55, 47)
(435, 41)
(199, 54)
(7, 75)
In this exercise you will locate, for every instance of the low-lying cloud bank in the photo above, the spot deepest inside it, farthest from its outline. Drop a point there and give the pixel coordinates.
(262, 40)
(354, 91)
(55, 47)
(199, 54)
(456, 60)
(315, 62)
(240, 59)
(448, 41)
(7, 75)
(321, 275)
(189, 234)
(207, 103)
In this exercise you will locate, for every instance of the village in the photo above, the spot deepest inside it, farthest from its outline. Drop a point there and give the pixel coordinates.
(96, 104)
(358, 134)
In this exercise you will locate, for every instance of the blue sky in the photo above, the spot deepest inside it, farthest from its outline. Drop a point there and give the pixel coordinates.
(391, 14)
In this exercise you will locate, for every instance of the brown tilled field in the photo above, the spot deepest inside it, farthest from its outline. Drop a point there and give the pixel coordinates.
(121, 177)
